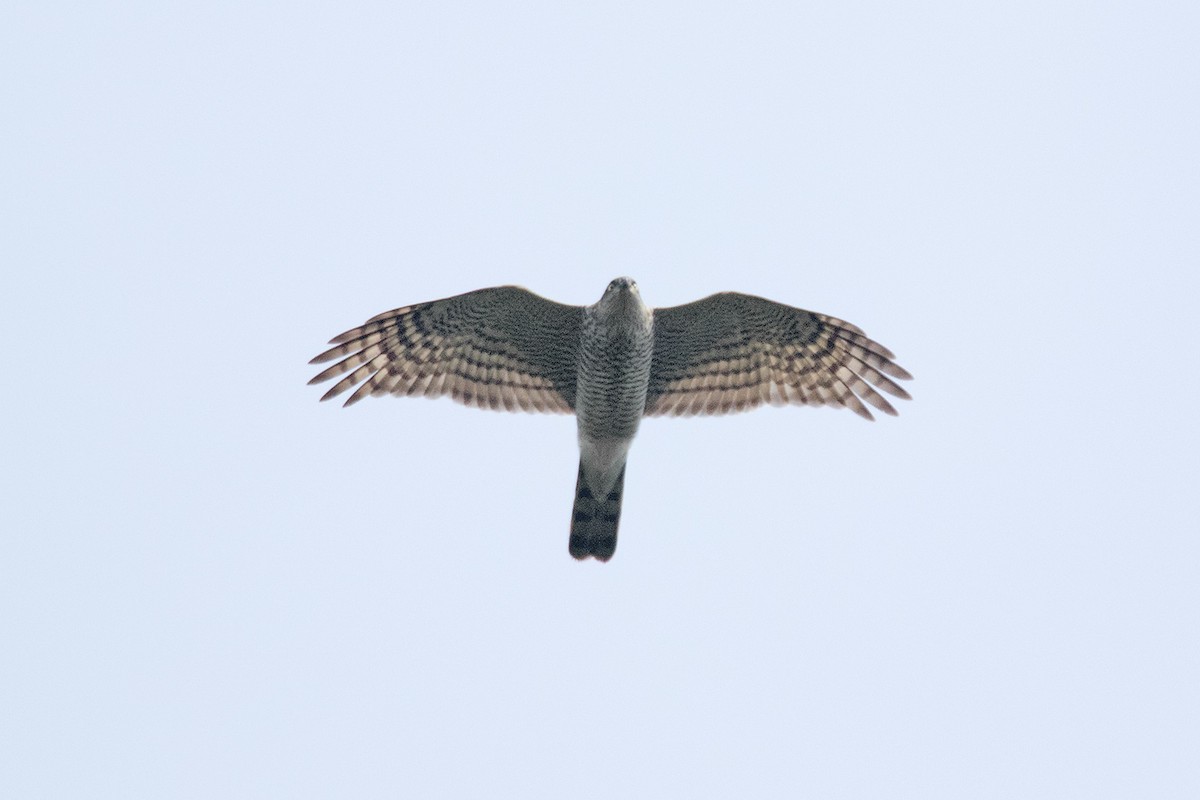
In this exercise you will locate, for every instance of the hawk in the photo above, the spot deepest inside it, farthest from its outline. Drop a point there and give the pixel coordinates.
(610, 364)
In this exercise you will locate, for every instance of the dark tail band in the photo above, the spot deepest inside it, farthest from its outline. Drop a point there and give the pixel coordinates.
(594, 521)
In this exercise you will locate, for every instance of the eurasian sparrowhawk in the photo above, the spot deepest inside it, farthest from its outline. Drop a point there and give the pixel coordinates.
(611, 364)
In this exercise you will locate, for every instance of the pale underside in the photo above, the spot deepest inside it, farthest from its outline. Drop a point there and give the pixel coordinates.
(509, 349)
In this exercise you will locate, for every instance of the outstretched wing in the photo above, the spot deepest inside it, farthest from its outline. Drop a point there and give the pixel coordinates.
(733, 352)
(504, 348)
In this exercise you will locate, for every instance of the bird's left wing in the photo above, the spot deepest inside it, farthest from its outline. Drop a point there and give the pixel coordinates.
(733, 352)
(504, 348)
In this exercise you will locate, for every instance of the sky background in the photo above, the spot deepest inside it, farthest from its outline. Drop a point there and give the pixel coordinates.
(211, 585)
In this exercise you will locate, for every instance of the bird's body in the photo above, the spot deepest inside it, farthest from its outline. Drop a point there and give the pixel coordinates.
(610, 364)
(615, 352)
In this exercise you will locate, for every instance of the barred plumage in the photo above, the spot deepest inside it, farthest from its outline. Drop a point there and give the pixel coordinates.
(505, 348)
(611, 364)
(733, 352)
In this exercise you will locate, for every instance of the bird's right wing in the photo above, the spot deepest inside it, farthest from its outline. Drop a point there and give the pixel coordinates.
(733, 352)
(504, 348)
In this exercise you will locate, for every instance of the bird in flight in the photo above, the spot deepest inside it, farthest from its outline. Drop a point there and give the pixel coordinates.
(610, 364)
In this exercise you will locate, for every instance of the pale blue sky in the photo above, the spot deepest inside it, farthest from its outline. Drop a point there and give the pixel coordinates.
(213, 586)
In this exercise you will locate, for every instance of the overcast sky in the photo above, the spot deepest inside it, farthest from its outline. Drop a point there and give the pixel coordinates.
(214, 586)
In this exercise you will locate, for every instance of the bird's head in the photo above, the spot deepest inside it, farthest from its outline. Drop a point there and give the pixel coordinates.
(622, 285)
(622, 299)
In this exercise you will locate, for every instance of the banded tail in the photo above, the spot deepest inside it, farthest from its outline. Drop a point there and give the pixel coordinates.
(594, 522)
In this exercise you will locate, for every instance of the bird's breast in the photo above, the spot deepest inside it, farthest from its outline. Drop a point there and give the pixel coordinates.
(614, 373)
